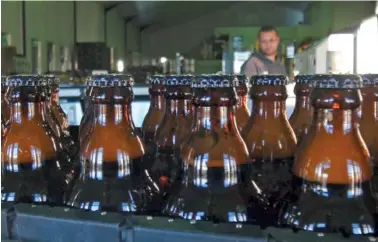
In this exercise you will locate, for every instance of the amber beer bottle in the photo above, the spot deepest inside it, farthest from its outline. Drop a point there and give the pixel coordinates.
(88, 117)
(369, 120)
(332, 171)
(270, 140)
(173, 130)
(301, 118)
(215, 181)
(56, 108)
(5, 111)
(54, 118)
(112, 178)
(154, 115)
(242, 112)
(33, 170)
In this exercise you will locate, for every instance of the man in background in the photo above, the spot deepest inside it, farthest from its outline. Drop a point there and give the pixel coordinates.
(264, 61)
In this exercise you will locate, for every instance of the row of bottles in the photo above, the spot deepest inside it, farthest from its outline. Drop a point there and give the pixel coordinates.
(200, 155)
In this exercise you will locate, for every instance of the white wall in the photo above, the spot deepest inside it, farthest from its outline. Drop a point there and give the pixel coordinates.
(187, 36)
(115, 34)
(90, 22)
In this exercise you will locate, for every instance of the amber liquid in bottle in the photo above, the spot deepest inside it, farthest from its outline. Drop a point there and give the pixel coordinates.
(33, 171)
(172, 132)
(153, 118)
(215, 180)
(369, 121)
(301, 118)
(332, 170)
(242, 112)
(270, 140)
(112, 177)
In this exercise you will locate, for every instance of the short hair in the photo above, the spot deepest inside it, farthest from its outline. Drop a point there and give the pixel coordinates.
(267, 28)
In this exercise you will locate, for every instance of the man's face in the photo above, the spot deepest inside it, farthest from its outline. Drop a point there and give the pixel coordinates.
(268, 42)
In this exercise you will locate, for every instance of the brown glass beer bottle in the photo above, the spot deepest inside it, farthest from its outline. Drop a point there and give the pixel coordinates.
(332, 170)
(301, 118)
(57, 110)
(270, 140)
(33, 170)
(88, 117)
(173, 129)
(369, 120)
(57, 116)
(215, 180)
(5, 111)
(242, 112)
(112, 178)
(154, 115)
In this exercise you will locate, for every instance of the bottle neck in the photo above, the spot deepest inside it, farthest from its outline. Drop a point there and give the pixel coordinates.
(175, 107)
(114, 114)
(157, 102)
(335, 121)
(303, 104)
(54, 99)
(272, 110)
(369, 106)
(215, 118)
(242, 102)
(27, 111)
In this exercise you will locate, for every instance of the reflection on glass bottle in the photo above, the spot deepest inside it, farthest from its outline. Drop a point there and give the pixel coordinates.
(33, 170)
(301, 118)
(369, 121)
(270, 140)
(215, 182)
(173, 130)
(112, 176)
(153, 117)
(242, 112)
(5, 110)
(86, 121)
(332, 170)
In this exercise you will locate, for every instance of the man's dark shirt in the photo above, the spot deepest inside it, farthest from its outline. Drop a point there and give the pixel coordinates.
(258, 64)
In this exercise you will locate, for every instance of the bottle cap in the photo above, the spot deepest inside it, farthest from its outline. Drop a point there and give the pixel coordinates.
(215, 81)
(156, 80)
(111, 80)
(370, 80)
(269, 80)
(3, 80)
(51, 79)
(25, 81)
(336, 81)
(243, 79)
(179, 80)
(302, 79)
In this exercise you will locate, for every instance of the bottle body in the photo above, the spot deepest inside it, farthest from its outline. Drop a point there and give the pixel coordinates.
(332, 170)
(172, 132)
(369, 121)
(301, 118)
(112, 177)
(33, 169)
(214, 182)
(153, 118)
(241, 110)
(271, 142)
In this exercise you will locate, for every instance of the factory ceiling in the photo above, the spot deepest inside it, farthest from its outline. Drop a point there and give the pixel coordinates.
(170, 13)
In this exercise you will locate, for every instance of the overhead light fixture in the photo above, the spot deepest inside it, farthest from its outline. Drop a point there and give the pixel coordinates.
(120, 66)
(163, 60)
